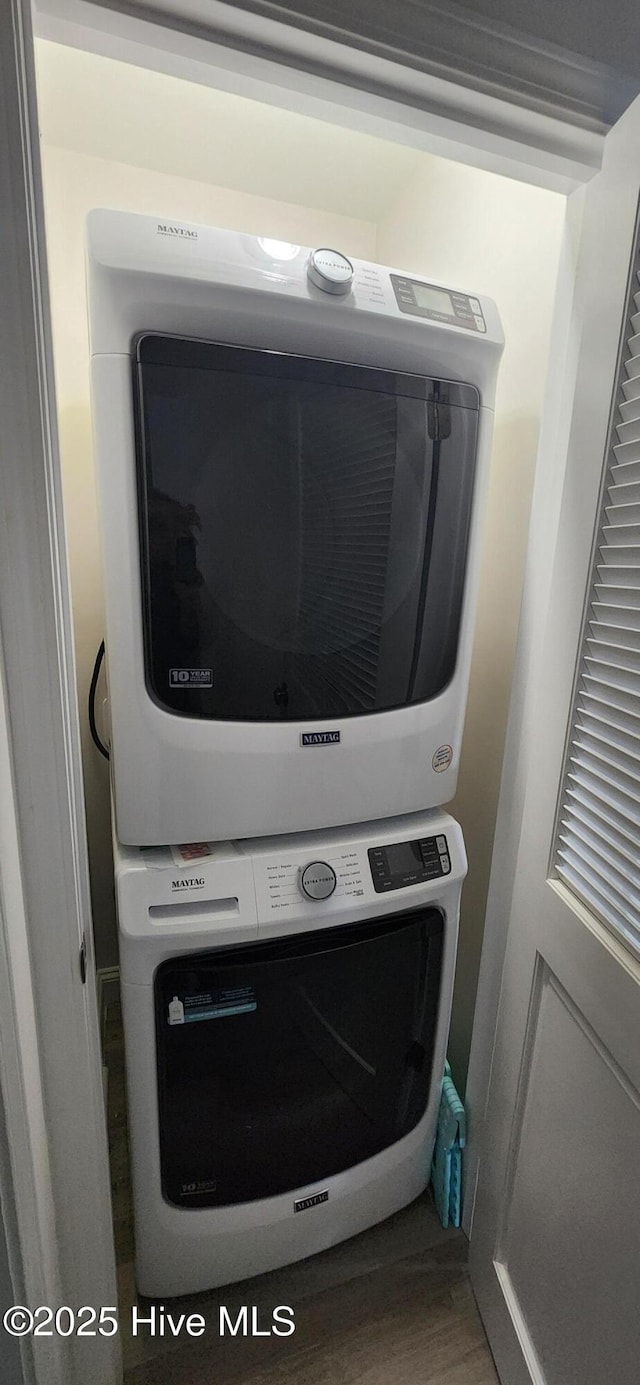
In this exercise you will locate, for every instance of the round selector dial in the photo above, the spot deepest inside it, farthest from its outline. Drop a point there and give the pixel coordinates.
(317, 880)
(330, 271)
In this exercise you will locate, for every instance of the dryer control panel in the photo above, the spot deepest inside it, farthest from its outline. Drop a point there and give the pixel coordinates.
(400, 864)
(438, 304)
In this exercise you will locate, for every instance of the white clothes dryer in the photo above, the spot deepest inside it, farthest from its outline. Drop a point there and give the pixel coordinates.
(291, 453)
(286, 1008)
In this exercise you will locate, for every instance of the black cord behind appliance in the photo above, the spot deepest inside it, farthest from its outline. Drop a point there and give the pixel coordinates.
(92, 703)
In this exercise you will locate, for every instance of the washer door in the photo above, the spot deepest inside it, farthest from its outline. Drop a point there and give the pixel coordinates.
(283, 1063)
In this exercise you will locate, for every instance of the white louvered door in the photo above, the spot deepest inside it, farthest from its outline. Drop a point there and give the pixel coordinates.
(555, 1241)
(597, 850)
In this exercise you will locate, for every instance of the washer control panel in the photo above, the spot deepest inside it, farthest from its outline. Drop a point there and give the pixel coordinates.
(317, 880)
(438, 305)
(288, 884)
(396, 866)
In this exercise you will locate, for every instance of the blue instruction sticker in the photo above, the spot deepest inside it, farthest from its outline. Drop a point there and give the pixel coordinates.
(215, 1005)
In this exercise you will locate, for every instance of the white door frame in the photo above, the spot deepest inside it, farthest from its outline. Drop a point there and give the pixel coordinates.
(556, 418)
(50, 1065)
(50, 1027)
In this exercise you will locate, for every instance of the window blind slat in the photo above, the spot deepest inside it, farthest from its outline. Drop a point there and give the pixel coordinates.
(591, 742)
(596, 834)
(628, 579)
(628, 431)
(604, 792)
(618, 655)
(621, 598)
(631, 387)
(624, 509)
(616, 721)
(627, 451)
(607, 692)
(590, 719)
(601, 793)
(603, 880)
(629, 409)
(603, 767)
(614, 615)
(614, 677)
(624, 472)
(618, 873)
(621, 531)
(623, 496)
(621, 551)
(610, 625)
(598, 900)
(590, 809)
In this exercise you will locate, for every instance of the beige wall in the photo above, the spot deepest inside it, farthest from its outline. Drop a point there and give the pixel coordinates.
(74, 183)
(490, 235)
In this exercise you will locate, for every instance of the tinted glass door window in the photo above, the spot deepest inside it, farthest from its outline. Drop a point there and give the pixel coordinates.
(304, 530)
(280, 1064)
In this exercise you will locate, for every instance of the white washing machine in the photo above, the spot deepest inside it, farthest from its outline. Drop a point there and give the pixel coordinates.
(286, 1008)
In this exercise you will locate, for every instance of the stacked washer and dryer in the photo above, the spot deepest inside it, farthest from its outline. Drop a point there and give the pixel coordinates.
(292, 452)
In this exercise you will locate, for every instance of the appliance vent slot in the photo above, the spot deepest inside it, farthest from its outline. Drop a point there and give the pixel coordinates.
(596, 847)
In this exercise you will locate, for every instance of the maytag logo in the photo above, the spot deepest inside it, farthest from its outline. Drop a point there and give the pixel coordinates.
(191, 882)
(320, 738)
(184, 232)
(304, 1203)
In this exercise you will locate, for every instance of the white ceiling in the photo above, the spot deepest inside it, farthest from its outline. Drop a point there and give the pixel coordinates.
(112, 110)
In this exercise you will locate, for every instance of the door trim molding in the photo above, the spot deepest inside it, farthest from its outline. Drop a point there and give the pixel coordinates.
(49, 1029)
(474, 50)
(553, 446)
(221, 45)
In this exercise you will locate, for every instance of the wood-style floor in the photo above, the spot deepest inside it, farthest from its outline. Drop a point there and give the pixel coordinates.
(390, 1307)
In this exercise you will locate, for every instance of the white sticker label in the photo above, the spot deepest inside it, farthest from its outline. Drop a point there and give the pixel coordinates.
(442, 758)
(176, 1011)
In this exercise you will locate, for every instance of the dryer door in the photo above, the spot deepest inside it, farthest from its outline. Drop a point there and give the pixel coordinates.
(304, 527)
(283, 1063)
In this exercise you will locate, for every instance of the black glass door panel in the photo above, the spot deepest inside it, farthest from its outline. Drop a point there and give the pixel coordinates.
(304, 529)
(282, 1063)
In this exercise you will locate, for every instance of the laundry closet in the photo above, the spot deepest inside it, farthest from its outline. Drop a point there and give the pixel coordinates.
(456, 246)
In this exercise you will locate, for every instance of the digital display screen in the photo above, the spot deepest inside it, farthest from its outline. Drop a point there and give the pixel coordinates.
(402, 858)
(436, 299)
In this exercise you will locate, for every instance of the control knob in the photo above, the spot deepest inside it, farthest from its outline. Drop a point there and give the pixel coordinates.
(317, 880)
(330, 271)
